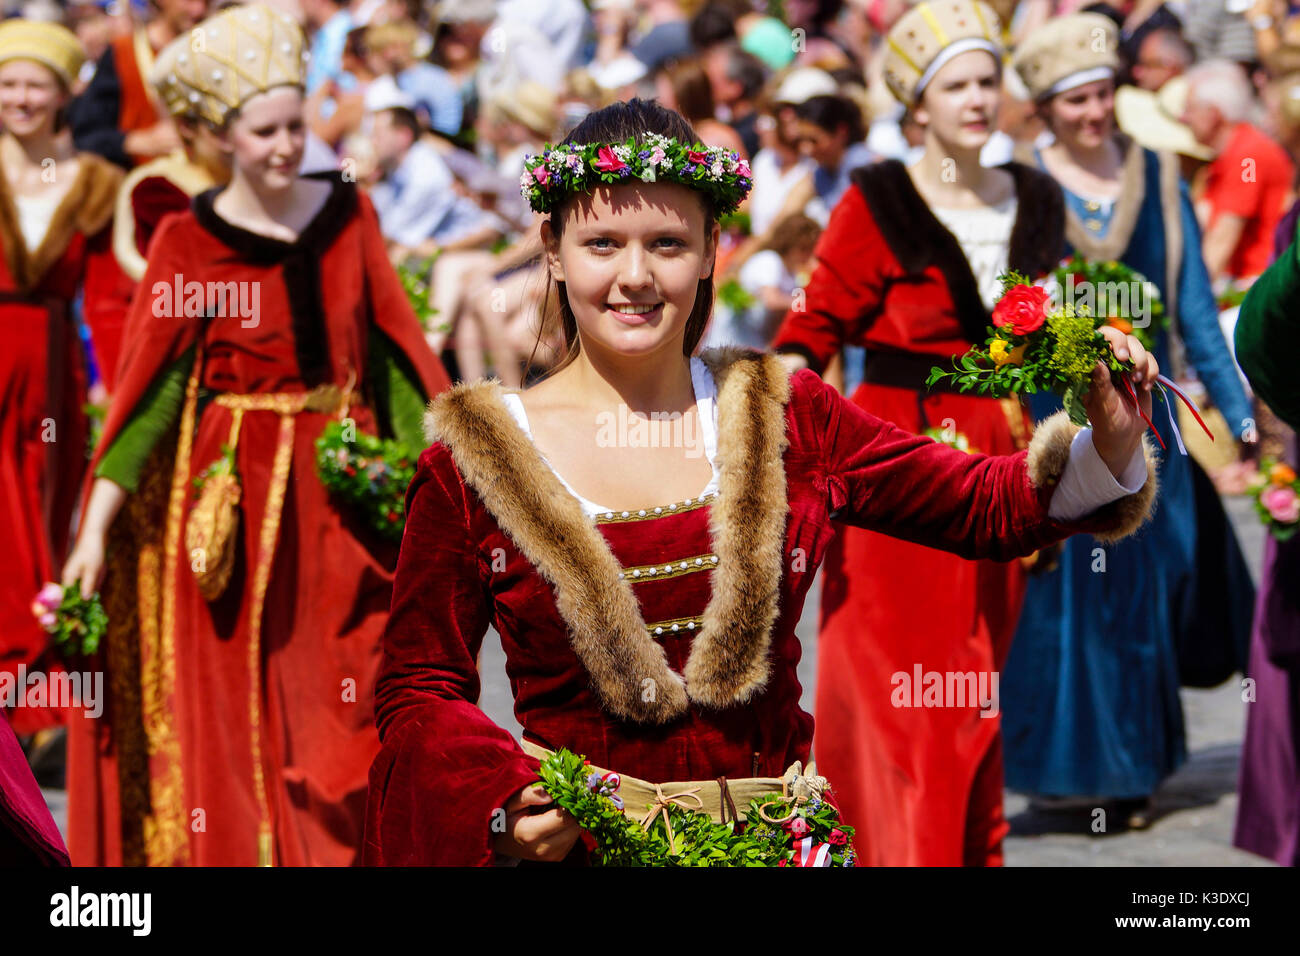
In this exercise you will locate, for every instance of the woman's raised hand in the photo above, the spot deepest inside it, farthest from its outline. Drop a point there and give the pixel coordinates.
(1117, 424)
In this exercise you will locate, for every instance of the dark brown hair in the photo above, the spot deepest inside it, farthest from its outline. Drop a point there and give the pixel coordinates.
(615, 124)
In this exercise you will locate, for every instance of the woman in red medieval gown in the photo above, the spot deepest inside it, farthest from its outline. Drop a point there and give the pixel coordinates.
(642, 526)
(239, 726)
(56, 206)
(908, 268)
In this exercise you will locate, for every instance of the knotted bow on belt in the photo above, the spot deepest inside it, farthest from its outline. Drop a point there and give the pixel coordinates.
(663, 802)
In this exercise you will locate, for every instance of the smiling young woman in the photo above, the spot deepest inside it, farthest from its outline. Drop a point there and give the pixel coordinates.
(646, 594)
(248, 699)
(56, 206)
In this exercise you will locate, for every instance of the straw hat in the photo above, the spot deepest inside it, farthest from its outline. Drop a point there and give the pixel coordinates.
(49, 44)
(529, 104)
(931, 34)
(1153, 119)
(1068, 52)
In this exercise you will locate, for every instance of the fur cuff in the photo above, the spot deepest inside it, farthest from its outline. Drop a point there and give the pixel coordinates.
(1049, 451)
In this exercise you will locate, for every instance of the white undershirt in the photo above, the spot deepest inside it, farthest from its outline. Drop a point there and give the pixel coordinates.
(985, 238)
(706, 412)
(1086, 483)
(34, 216)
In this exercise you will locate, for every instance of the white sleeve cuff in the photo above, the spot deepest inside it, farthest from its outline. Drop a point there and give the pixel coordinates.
(1087, 484)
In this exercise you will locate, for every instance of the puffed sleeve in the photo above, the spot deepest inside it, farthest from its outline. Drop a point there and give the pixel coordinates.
(844, 292)
(885, 479)
(444, 769)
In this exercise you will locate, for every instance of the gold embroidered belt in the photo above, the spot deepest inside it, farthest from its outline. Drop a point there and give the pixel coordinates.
(327, 399)
(721, 799)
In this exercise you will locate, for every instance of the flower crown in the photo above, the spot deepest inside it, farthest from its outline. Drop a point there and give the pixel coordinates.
(559, 171)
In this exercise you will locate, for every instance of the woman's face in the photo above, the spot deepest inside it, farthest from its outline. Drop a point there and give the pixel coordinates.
(642, 247)
(824, 147)
(960, 103)
(267, 137)
(30, 97)
(1083, 117)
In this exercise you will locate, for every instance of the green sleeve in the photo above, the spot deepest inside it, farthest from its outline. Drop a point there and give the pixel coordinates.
(1268, 335)
(157, 412)
(399, 396)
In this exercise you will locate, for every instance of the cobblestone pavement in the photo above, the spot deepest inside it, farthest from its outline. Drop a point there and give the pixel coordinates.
(1194, 809)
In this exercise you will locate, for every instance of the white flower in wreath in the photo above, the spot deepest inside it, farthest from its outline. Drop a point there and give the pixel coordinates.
(648, 175)
(623, 153)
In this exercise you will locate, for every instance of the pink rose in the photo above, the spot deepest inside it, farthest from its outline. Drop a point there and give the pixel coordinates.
(541, 174)
(1282, 503)
(742, 168)
(49, 621)
(50, 596)
(607, 162)
(798, 827)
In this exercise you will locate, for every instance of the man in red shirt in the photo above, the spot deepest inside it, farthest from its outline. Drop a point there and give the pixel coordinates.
(1247, 182)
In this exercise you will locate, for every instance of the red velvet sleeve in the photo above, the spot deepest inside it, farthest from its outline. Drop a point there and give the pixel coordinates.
(883, 478)
(444, 769)
(844, 292)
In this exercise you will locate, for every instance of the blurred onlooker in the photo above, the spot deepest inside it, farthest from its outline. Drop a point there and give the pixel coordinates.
(669, 35)
(778, 168)
(1249, 178)
(328, 23)
(437, 98)
(1162, 55)
(90, 21)
(736, 79)
(345, 118)
(770, 277)
(613, 66)
(1218, 29)
(831, 134)
(815, 19)
(682, 85)
(116, 116)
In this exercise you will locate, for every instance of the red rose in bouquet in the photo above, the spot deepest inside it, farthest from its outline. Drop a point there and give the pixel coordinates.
(1023, 308)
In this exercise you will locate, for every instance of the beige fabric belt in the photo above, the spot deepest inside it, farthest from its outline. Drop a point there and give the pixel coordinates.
(721, 799)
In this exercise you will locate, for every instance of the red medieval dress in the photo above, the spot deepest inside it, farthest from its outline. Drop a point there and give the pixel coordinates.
(924, 785)
(42, 390)
(593, 610)
(240, 731)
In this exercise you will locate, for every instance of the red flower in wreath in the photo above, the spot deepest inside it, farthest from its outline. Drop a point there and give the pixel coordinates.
(607, 162)
(837, 837)
(1023, 308)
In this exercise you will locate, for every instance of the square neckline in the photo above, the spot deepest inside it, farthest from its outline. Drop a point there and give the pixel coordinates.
(706, 409)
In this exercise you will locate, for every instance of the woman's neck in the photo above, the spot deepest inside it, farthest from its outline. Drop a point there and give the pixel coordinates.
(28, 152)
(947, 176)
(644, 383)
(1102, 161)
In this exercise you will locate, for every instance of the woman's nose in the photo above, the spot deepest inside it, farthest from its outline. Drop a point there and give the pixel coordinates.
(635, 272)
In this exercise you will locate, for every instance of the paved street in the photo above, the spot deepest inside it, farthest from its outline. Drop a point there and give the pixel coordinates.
(1195, 807)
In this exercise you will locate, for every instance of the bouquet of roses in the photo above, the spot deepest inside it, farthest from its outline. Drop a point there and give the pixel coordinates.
(370, 473)
(1277, 499)
(76, 625)
(1115, 295)
(1035, 345)
(782, 831)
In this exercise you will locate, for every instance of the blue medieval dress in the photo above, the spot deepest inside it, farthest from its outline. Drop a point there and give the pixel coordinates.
(1090, 691)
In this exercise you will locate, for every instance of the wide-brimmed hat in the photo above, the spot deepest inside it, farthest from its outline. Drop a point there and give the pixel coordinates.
(1154, 119)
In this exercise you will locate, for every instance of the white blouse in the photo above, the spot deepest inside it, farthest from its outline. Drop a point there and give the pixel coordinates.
(985, 237)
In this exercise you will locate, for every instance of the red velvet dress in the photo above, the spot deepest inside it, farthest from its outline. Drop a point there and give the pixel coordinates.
(924, 785)
(593, 659)
(42, 390)
(221, 745)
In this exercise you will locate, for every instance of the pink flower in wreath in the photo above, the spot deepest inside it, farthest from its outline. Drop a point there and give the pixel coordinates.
(607, 162)
(541, 174)
(1283, 504)
(695, 157)
(837, 838)
(798, 827)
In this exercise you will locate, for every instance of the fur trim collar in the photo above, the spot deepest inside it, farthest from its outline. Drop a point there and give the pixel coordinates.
(85, 208)
(729, 660)
(918, 239)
